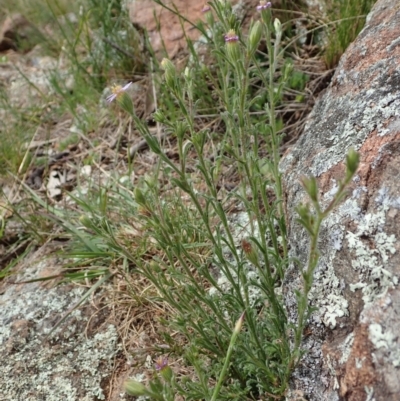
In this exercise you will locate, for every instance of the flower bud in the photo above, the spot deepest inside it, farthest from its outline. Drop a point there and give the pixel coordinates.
(310, 185)
(164, 369)
(239, 323)
(250, 252)
(206, 10)
(306, 219)
(85, 221)
(352, 161)
(126, 103)
(287, 70)
(277, 26)
(135, 388)
(187, 72)
(232, 46)
(139, 198)
(255, 36)
(170, 72)
(167, 374)
(159, 117)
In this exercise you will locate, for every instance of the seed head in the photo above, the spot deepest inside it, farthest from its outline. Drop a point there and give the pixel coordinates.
(250, 252)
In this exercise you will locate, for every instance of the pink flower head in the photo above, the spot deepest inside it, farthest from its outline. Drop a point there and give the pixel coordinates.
(231, 37)
(161, 363)
(205, 8)
(117, 91)
(264, 5)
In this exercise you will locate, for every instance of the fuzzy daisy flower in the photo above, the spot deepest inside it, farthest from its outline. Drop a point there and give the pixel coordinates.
(117, 91)
(264, 5)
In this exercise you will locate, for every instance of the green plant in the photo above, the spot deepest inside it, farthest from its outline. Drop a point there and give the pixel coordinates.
(349, 17)
(175, 226)
(311, 221)
(17, 129)
(202, 267)
(72, 139)
(234, 290)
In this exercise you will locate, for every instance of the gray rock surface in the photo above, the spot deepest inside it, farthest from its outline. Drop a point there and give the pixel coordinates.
(353, 338)
(75, 363)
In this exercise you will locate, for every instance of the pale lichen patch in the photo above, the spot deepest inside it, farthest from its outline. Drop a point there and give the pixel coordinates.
(327, 291)
(345, 348)
(70, 365)
(372, 247)
(384, 339)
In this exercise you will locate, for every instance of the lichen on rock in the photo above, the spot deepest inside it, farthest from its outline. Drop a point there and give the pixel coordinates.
(73, 364)
(352, 345)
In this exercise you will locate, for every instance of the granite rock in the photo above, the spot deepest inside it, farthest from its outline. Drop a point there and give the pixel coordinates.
(354, 346)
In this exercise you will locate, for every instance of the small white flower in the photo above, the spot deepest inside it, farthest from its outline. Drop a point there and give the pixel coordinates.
(117, 90)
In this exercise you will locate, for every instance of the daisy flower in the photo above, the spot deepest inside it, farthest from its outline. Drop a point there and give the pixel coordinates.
(231, 37)
(161, 363)
(264, 5)
(117, 91)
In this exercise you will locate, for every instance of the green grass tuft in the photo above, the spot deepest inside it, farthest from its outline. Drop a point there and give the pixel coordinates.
(349, 18)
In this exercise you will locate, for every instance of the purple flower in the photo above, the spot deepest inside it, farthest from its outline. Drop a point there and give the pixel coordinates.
(161, 363)
(231, 37)
(264, 5)
(117, 91)
(205, 8)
